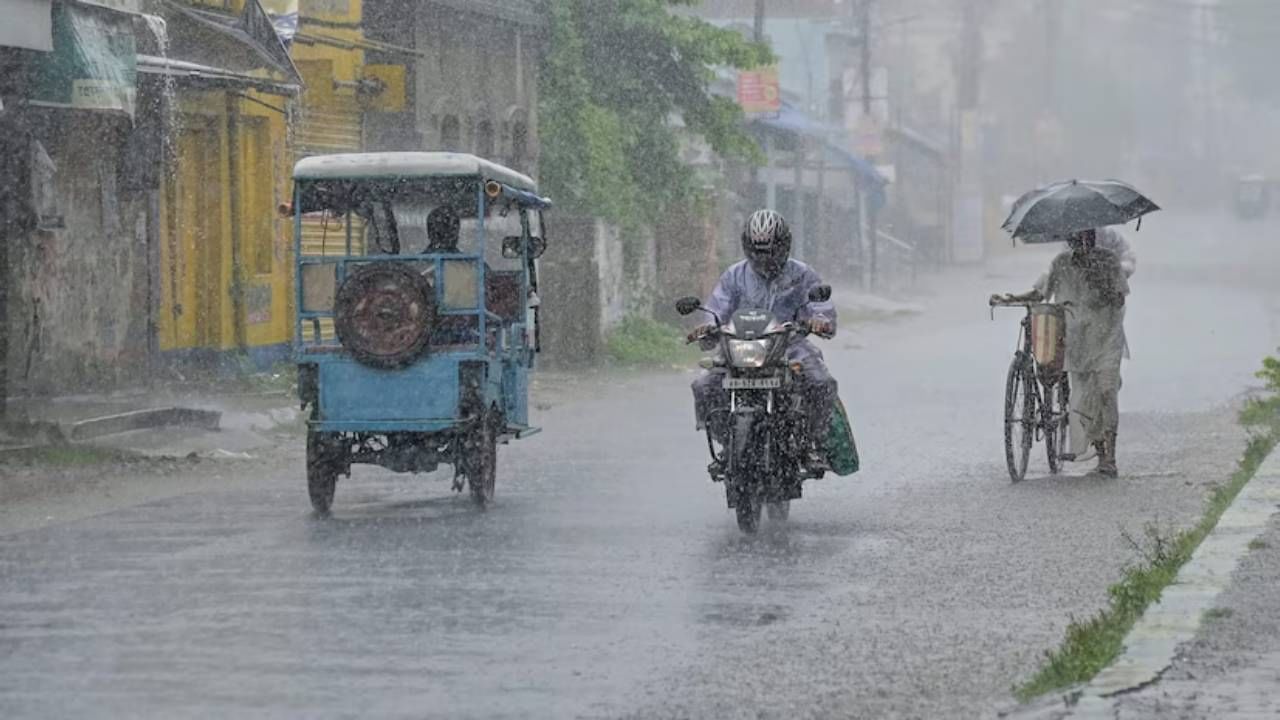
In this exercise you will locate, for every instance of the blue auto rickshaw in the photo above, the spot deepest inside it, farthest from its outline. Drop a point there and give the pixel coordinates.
(416, 310)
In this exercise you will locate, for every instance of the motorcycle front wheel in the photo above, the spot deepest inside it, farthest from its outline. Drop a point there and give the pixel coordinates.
(748, 509)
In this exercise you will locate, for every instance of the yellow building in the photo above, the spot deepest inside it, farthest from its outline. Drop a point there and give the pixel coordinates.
(226, 257)
(225, 268)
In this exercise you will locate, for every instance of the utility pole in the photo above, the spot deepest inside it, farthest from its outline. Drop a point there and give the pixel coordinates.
(968, 218)
(863, 11)
(758, 36)
(864, 69)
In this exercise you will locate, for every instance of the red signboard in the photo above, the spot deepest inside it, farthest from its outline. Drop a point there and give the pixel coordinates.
(758, 90)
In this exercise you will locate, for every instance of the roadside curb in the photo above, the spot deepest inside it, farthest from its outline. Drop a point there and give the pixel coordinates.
(142, 420)
(1151, 645)
(30, 436)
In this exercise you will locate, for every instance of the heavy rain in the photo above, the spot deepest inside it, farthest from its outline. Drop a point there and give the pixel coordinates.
(639, 358)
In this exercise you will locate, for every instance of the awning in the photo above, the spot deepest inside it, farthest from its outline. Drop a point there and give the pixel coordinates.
(207, 76)
(789, 119)
(93, 63)
(284, 17)
(241, 45)
(27, 24)
(919, 140)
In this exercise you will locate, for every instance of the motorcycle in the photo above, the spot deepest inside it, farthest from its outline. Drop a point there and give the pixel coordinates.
(764, 426)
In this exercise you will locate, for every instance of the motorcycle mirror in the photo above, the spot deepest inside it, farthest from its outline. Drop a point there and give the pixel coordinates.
(686, 305)
(820, 293)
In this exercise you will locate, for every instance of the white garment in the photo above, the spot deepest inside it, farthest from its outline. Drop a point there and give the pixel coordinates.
(1094, 284)
(1108, 239)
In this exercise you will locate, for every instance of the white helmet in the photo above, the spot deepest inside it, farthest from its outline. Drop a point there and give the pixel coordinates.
(766, 241)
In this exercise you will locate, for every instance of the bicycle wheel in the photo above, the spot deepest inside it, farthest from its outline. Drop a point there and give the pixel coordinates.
(1055, 422)
(1019, 417)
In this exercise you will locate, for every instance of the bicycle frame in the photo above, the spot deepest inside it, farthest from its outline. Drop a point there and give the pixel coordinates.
(1042, 418)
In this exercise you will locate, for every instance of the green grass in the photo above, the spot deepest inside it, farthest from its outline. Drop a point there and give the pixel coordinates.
(1258, 544)
(644, 342)
(1092, 644)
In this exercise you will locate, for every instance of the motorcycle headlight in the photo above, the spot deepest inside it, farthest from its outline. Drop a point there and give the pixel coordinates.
(748, 353)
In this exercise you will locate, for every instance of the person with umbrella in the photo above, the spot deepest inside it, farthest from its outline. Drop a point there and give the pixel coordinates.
(1093, 283)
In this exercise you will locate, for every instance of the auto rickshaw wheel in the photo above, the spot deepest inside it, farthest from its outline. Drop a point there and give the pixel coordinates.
(383, 315)
(323, 466)
(480, 461)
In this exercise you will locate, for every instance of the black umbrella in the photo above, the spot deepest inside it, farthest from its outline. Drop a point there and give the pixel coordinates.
(1054, 211)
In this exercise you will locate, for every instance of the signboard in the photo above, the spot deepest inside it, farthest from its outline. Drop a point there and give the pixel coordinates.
(93, 65)
(758, 90)
(868, 137)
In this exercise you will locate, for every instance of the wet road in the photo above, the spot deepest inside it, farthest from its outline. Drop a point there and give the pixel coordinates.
(610, 581)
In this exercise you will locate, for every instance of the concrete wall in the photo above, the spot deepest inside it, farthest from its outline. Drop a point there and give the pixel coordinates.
(79, 306)
(477, 81)
(589, 285)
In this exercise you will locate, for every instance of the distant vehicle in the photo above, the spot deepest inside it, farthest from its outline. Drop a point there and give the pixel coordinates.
(416, 313)
(1252, 196)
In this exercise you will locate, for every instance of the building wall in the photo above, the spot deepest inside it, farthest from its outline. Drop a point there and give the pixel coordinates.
(327, 54)
(225, 265)
(78, 309)
(476, 87)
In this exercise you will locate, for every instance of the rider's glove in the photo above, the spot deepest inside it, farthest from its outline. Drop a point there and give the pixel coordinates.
(821, 326)
(697, 333)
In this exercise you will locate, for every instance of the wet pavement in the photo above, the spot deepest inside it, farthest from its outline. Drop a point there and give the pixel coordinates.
(1232, 668)
(610, 581)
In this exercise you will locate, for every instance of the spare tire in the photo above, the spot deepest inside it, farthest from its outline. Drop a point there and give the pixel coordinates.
(383, 315)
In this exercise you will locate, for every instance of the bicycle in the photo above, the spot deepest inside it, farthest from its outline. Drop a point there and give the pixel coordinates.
(1039, 385)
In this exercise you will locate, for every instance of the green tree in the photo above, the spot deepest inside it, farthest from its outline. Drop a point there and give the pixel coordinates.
(1264, 411)
(616, 72)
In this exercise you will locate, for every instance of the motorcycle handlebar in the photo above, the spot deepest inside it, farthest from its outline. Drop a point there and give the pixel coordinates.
(800, 329)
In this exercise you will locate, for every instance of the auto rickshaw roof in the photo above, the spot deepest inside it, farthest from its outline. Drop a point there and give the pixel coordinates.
(409, 165)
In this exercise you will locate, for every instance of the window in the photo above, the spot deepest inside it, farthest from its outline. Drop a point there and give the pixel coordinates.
(451, 133)
(519, 141)
(484, 139)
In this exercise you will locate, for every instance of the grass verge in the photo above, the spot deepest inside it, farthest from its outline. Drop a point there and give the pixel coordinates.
(639, 341)
(1092, 644)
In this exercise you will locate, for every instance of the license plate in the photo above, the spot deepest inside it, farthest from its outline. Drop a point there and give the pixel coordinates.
(752, 383)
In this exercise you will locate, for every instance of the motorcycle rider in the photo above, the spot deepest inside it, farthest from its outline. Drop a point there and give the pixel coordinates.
(769, 279)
